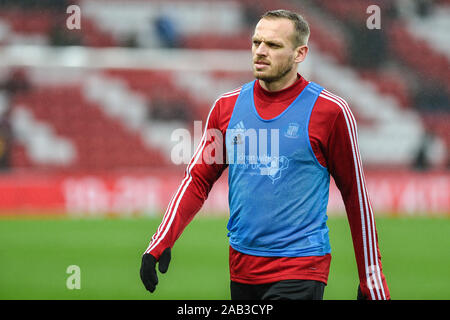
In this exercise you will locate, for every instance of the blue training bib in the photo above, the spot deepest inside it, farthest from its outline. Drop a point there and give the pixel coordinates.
(278, 191)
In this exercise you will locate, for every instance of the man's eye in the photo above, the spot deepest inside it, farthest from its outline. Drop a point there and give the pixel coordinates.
(256, 43)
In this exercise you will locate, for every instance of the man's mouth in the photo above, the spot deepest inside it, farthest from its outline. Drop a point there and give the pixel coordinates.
(261, 64)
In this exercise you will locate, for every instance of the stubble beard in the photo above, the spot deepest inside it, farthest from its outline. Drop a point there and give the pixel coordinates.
(280, 73)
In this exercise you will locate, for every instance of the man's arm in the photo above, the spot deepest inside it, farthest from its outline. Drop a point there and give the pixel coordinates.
(344, 164)
(199, 177)
(205, 167)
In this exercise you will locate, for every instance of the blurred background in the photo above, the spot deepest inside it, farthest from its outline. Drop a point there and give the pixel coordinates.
(92, 90)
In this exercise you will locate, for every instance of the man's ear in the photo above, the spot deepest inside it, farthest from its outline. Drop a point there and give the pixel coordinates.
(301, 52)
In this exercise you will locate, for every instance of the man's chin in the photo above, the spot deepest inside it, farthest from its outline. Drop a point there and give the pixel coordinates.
(261, 75)
(268, 77)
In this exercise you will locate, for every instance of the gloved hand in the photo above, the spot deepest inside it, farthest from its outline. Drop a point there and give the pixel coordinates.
(148, 268)
(360, 295)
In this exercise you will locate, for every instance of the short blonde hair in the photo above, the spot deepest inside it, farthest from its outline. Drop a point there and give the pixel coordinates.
(301, 26)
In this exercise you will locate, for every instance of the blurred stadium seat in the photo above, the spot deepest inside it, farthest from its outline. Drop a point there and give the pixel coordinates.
(75, 107)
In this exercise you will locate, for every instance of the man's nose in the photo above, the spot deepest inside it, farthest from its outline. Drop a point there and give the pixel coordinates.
(261, 50)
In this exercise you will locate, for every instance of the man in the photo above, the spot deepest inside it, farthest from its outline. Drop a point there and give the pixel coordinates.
(278, 187)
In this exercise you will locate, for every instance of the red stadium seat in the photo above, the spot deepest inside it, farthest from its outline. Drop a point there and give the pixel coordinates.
(99, 140)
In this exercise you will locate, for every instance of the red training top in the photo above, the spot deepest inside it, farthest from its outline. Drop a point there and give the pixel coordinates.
(333, 136)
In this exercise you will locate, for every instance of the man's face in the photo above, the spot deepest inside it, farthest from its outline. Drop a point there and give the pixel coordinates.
(273, 50)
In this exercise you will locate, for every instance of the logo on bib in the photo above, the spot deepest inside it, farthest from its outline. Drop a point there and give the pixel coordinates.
(274, 168)
(292, 130)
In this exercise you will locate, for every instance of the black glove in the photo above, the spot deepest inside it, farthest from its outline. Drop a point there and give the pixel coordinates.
(148, 268)
(360, 295)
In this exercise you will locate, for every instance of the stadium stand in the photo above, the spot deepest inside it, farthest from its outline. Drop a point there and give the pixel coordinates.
(416, 53)
(100, 142)
(122, 116)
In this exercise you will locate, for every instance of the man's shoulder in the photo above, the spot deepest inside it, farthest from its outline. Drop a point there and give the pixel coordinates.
(331, 103)
(227, 100)
(230, 95)
(222, 108)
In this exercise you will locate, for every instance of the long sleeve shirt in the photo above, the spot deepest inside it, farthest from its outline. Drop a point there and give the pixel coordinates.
(333, 138)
